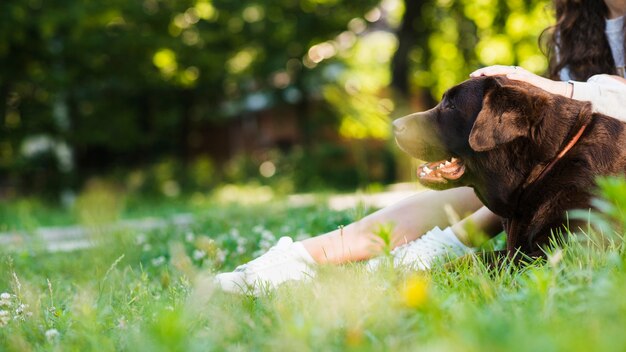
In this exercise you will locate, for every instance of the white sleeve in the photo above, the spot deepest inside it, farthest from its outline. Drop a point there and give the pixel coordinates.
(606, 94)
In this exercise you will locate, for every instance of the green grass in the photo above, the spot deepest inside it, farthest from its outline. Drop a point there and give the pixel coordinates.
(153, 292)
(31, 213)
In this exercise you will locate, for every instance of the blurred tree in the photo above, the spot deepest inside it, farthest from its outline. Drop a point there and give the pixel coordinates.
(458, 36)
(412, 32)
(88, 86)
(437, 44)
(122, 82)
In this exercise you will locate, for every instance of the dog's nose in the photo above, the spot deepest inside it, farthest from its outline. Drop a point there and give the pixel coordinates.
(398, 126)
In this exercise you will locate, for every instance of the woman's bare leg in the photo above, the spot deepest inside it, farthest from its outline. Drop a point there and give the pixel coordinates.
(409, 219)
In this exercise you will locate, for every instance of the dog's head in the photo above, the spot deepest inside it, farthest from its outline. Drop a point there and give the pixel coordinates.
(487, 130)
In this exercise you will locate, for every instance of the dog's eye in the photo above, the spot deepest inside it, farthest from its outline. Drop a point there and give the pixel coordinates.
(450, 105)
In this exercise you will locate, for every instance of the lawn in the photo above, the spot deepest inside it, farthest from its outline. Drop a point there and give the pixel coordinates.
(152, 291)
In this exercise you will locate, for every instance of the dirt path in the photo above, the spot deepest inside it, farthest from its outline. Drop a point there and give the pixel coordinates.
(70, 238)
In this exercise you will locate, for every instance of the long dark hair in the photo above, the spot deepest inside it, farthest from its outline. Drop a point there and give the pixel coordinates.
(578, 41)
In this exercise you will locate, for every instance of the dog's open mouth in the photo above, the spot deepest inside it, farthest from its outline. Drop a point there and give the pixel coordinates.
(440, 172)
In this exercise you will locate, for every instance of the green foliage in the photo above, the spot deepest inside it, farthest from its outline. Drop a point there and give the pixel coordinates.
(325, 165)
(126, 82)
(609, 221)
(87, 88)
(358, 93)
(31, 213)
(121, 82)
(464, 35)
(153, 290)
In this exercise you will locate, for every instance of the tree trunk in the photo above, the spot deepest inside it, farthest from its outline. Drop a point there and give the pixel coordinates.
(186, 97)
(413, 31)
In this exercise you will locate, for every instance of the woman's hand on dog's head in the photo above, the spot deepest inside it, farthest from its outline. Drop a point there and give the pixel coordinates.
(520, 74)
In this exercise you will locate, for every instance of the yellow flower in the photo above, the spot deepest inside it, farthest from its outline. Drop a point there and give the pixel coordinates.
(414, 292)
(354, 336)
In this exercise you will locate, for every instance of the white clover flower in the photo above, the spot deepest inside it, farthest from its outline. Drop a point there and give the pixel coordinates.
(147, 247)
(220, 256)
(21, 309)
(140, 239)
(189, 236)
(5, 299)
(158, 261)
(52, 334)
(241, 246)
(21, 312)
(265, 245)
(258, 228)
(4, 318)
(268, 236)
(198, 254)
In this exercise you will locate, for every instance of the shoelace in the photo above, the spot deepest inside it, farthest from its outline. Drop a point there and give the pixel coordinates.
(266, 258)
(426, 244)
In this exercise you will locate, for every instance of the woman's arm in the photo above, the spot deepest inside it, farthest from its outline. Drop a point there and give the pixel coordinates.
(408, 219)
(607, 93)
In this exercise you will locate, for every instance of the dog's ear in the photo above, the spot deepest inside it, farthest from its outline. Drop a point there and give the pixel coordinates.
(506, 115)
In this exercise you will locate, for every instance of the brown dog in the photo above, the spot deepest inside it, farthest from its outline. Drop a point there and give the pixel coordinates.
(529, 155)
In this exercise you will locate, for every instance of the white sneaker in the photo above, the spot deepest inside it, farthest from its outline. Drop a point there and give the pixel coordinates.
(287, 260)
(420, 254)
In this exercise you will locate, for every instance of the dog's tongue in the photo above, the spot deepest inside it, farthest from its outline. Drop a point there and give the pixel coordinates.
(440, 172)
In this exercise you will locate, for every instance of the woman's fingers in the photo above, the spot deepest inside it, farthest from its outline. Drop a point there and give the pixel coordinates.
(519, 74)
(555, 87)
(515, 73)
(525, 76)
(497, 70)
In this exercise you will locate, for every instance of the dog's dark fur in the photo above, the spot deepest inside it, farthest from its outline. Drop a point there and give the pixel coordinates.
(505, 132)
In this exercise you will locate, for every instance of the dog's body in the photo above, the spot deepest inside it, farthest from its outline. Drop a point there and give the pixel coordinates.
(529, 155)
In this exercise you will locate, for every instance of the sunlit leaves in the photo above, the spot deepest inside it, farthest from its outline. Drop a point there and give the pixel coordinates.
(242, 60)
(205, 10)
(517, 24)
(253, 13)
(466, 34)
(481, 12)
(495, 50)
(165, 61)
(356, 95)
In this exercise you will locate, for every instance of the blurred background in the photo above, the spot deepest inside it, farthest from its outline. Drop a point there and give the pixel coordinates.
(173, 99)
